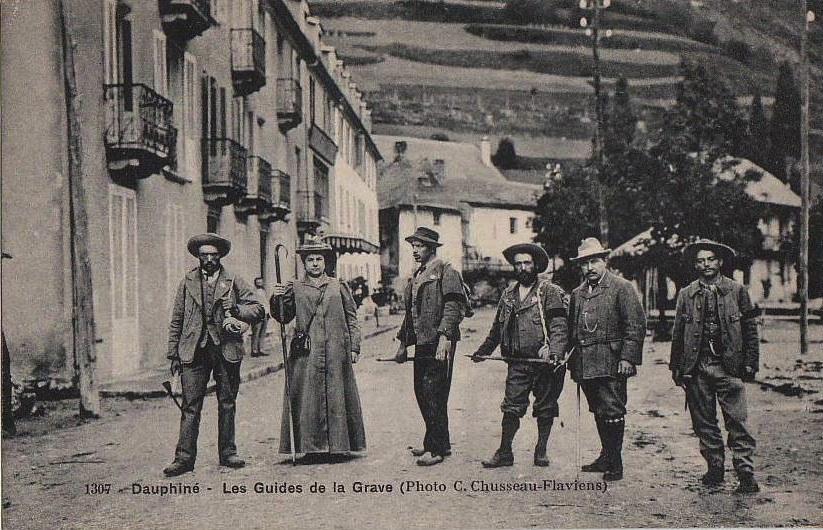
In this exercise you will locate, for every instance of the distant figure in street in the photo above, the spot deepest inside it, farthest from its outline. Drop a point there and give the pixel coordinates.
(324, 401)
(715, 349)
(258, 330)
(531, 324)
(8, 424)
(608, 327)
(434, 297)
(211, 310)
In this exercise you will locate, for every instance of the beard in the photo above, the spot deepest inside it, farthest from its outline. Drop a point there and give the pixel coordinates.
(526, 278)
(211, 267)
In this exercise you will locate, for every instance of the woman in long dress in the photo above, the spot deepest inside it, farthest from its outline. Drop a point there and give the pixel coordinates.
(324, 401)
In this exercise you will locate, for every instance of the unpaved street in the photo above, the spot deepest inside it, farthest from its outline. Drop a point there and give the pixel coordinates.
(49, 480)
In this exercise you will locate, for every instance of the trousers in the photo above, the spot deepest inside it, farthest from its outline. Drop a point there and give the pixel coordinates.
(258, 333)
(194, 377)
(711, 384)
(606, 396)
(540, 380)
(432, 383)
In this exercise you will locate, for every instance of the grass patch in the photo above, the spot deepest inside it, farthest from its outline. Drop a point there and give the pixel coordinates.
(569, 64)
(418, 10)
(532, 35)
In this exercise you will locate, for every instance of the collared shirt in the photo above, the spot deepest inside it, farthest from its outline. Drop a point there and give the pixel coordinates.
(524, 290)
(210, 278)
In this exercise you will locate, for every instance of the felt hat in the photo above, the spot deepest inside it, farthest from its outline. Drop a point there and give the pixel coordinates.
(540, 257)
(591, 248)
(222, 244)
(427, 236)
(313, 245)
(725, 252)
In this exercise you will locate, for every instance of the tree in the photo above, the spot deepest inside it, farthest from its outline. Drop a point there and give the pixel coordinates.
(506, 156)
(785, 124)
(620, 121)
(758, 141)
(815, 248)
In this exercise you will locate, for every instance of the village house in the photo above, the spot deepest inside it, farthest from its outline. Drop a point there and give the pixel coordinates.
(229, 116)
(772, 278)
(454, 189)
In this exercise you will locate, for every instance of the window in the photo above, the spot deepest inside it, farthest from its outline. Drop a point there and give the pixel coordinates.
(161, 72)
(175, 248)
(311, 100)
(190, 132)
(321, 189)
(436, 218)
(512, 225)
(361, 218)
(110, 43)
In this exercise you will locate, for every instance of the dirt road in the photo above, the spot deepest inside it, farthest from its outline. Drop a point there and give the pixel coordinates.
(107, 473)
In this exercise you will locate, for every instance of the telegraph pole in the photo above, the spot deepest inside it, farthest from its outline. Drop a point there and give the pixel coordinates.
(597, 143)
(83, 326)
(803, 265)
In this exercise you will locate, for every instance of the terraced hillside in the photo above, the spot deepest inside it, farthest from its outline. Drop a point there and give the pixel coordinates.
(472, 66)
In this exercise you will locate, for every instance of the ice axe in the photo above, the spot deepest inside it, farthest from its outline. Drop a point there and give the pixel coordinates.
(282, 312)
(167, 387)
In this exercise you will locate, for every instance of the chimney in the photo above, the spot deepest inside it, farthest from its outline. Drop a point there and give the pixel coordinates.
(439, 170)
(399, 150)
(486, 151)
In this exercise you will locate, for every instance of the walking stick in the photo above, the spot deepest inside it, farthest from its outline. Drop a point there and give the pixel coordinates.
(282, 312)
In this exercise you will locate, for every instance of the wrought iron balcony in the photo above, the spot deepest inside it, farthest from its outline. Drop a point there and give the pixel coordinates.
(224, 171)
(322, 143)
(258, 194)
(140, 136)
(281, 196)
(248, 61)
(289, 103)
(185, 19)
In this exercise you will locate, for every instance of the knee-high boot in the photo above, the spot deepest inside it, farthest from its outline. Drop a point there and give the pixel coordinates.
(601, 463)
(503, 456)
(544, 428)
(615, 429)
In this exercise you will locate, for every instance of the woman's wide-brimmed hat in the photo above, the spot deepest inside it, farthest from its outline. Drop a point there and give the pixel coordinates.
(312, 245)
(591, 248)
(427, 236)
(540, 257)
(725, 252)
(222, 244)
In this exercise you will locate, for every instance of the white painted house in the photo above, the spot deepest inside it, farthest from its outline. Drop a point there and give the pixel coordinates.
(454, 189)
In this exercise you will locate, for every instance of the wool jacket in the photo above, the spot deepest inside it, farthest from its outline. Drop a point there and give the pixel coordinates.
(186, 326)
(606, 325)
(517, 327)
(738, 328)
(434, 301)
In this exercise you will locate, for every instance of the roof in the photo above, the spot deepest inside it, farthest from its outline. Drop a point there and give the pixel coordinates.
(768, 188)
(466, 180)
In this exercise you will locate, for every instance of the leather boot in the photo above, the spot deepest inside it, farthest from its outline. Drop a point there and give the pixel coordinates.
(544, 428)
(614, 449)
(600, 465)
(503, 456)
(714, 476)
(747, 483)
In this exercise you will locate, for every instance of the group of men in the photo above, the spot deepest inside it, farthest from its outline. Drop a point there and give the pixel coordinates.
(598, 333)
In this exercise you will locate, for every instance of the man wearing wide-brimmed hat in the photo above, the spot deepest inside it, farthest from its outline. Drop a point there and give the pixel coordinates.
(434, 301)
(715, 349)
(211, 310)
(608, 326)
(324, 403)
(530, 324)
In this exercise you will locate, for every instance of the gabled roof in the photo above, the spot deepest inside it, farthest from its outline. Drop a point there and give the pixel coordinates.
(768, 188)
(466, 180)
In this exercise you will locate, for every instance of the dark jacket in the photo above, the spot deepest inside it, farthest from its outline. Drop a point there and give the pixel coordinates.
(738, 328)
(517, 327)
(612, 329)
(186, 324)
(437, 307)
